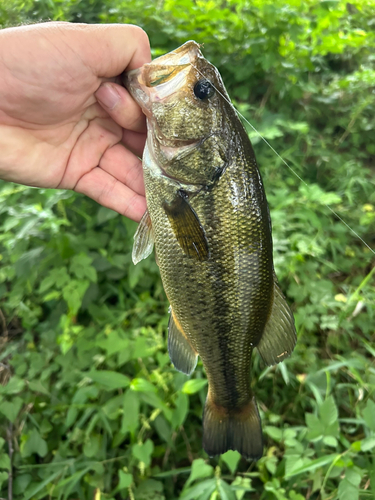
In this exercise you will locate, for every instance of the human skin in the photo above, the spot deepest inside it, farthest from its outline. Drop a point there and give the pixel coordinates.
(64, 122)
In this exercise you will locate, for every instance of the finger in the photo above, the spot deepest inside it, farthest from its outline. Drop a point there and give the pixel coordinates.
(134, 141)
(121, 107)
(111, 193)
(125, 167)
(110, 49)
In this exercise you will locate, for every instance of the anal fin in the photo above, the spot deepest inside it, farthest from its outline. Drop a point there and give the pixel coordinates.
(143, 239)
(279, 336)
(181, 352)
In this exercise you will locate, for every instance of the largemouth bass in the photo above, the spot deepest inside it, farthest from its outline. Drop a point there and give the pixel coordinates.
(209, 219)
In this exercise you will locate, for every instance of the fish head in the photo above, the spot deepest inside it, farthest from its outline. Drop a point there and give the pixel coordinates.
(188, 113)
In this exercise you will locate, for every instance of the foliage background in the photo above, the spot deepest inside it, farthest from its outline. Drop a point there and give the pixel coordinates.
(90, 406)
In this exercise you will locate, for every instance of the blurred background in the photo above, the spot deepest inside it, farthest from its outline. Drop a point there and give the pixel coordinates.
(89, 401)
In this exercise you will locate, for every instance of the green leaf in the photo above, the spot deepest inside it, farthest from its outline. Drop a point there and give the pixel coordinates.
(11, 408)
(113, 343)
(328, 412)
(92, 445)
(225, 491)
(368, 414)
(349, 486)
(130, 416)
(4, 461)
(181, 410)
(3, 478)
(109, 379)
(142, 385)
(274, 432)
(293, 463)
(314, 464)
(231, 459)
(199, 470)
(105, 214)
(125, 480)
(296, 496)
(81, 267)
(203, 489)
(315, 426)
(194, 385)
(37, 386)
(143, 451)
(368, 443)
(14, 386)
(34, 444)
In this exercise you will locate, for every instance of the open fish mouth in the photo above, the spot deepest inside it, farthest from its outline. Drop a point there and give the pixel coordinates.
(163, 77)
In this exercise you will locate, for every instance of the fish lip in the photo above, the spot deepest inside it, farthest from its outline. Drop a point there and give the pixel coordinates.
(137, 81)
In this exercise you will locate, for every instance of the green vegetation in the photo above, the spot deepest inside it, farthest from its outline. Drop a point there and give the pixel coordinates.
(89, 401)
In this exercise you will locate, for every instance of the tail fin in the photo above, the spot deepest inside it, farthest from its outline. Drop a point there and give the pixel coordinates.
(238, 429)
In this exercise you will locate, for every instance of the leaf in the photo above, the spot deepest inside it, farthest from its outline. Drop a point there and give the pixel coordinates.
(3, 478)
(274, 432)
(142, 385)
(315, 426)
(34, 444)
(105, 214)
(109, 379)
(226, 493)
(349, 486)
(4, 461)
(143, 452)
(196, 492)
(113, 343)
(314, 464)
(293, 463)
(368, 443)
(130, 416)
(14, 386)
(81, 267)
(125, 480)
(328, 412)
(92, 445)
(231, 459)
(37, 386)
(194, 385)
(368, 414)
(73, 294)
(11, 408)
(181, 410)
(199, 470)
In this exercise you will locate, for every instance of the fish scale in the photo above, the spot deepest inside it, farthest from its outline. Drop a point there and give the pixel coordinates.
(208, 217)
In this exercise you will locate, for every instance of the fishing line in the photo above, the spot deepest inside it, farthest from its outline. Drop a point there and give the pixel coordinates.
(282, 159)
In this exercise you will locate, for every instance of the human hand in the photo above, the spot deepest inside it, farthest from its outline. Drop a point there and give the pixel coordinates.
(53, 131)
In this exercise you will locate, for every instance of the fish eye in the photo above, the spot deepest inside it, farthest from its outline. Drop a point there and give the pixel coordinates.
(204, 89)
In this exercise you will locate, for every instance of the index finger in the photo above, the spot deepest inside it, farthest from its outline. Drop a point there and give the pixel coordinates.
(110, 49)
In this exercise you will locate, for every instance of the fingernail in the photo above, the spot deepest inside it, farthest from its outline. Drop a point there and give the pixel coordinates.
(107, 96)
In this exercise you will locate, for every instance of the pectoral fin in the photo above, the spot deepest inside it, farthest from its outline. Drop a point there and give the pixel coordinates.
(187, 228)
(279, 336)
(143, 239)
(182, 354)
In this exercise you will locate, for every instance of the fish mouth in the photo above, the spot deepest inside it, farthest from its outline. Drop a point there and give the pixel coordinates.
(162, 77)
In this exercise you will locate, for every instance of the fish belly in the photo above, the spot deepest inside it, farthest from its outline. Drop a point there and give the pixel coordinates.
(223, 303)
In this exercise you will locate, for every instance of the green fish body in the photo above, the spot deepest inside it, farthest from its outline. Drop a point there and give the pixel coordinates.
(209, 220)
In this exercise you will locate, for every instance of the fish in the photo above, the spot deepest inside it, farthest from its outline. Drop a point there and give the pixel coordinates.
(208, 219)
